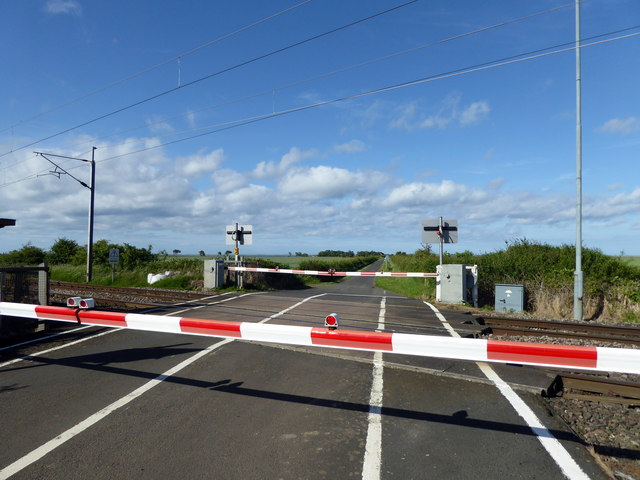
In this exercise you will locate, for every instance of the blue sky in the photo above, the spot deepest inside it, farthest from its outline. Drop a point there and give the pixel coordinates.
(206, 113)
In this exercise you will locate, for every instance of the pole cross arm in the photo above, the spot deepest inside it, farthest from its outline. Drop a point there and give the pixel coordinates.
(445, 228)
(240, 235)
(7, 222)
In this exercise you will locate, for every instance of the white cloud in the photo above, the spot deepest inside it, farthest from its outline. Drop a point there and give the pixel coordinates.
(621, 126)
(265, 170)
(410, 116)
(191, 118)
(200, 164)
(157, 124)
(610, 207)
(424, 194)
(436, 121)
(70, 7)
(150, 195)
(496, 183)
(323, 182)
(227, 180)
(405, 118)
(253, 198)
(474, 113)
(148, 148)
(354, 146)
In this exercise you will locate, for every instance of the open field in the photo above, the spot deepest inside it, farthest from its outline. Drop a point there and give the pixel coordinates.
(635, 261)
(284, 261)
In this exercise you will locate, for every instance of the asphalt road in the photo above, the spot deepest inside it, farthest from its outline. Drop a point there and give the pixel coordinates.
(133, 404)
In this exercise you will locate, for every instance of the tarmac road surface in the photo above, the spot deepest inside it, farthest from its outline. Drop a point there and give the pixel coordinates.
(134, 404)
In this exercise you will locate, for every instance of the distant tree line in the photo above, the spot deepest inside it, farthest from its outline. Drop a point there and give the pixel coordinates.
(65, 251)
(349, 253)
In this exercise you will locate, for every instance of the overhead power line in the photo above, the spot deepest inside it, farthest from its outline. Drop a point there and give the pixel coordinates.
(453, 73)
(154, 67)
(335, 72)
(214, 74)
(532, 55)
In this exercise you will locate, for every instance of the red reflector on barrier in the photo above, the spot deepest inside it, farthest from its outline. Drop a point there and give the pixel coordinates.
(331, 320)
(107, 319)
(56, 313)
(210, 327)
(514, 352)
(352, 339)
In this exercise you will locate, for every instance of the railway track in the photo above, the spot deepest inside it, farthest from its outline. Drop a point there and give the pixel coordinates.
(121, 297)
(510, 326)
(591, 388)
(594, 389)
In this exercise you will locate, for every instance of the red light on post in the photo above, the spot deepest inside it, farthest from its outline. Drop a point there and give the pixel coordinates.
(79, 302)
(331, 321)
(87, 303)
(73, 301)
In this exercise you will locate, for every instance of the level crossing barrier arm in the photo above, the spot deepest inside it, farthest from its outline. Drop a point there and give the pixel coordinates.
(471, 349)
(333, 273)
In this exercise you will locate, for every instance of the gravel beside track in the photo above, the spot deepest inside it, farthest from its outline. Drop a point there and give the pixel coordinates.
(122, 297)
(611, 431)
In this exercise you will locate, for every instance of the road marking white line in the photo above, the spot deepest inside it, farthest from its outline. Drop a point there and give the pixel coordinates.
(282, 312)
(551, 444)
(51, 445)
(40, 339)
(53, 349)
(212, 303)
(371, 465)
(75, 342)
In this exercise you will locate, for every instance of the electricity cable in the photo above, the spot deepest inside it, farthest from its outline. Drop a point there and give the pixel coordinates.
(335, 72)
(154, 67)
(214, 74)
(452, 73)
(462, 71)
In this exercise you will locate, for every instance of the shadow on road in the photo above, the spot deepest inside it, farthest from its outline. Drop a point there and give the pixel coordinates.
(101, 362)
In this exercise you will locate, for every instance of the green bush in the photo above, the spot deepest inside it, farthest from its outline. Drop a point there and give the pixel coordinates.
(27, 255)
(611, 285)
(64, 251)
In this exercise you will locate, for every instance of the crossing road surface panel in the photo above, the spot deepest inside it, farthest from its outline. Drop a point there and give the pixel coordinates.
(243, 410)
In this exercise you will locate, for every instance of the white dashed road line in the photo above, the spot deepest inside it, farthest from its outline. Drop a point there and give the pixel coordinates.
(373, 448)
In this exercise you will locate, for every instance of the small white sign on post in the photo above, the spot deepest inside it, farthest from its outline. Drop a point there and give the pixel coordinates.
(114, 256)
(114, 259)
(242, 234)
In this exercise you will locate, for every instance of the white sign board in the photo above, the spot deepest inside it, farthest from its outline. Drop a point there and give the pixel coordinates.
(433, 232)
(243, 235)
(114, 256)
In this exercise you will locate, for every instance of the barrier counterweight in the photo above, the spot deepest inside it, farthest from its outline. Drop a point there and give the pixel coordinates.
(547, 355)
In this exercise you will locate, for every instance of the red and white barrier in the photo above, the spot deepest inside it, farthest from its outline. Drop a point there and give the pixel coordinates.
(332, 273)
(479, 350)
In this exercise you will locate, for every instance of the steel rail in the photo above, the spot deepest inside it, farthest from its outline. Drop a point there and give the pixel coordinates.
(553, 328)
(594, 389)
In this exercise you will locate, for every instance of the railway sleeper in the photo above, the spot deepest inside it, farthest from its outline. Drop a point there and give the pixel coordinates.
(594, 389)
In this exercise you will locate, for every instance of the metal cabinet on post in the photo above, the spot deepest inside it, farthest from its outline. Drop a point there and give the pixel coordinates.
(213, 274)
(509, 298)
(452, 283)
